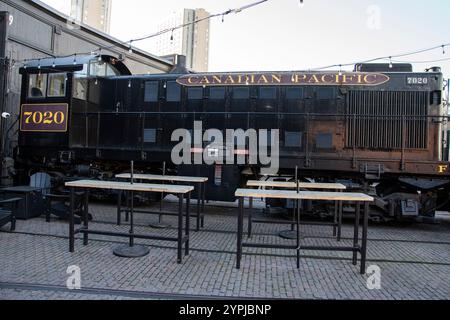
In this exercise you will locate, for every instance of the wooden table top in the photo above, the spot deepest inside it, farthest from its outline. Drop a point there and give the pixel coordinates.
(112, 185)
(162, 178)
(293, 185)
(303, 195)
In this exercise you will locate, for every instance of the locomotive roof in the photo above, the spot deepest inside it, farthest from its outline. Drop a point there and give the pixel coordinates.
(70, 64)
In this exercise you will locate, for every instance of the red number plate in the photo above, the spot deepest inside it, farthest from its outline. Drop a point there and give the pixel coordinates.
(44, 117)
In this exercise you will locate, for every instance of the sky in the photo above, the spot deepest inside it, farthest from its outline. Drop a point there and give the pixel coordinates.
(282, 35)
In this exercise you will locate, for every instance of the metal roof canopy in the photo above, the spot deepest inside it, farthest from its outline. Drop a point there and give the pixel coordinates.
(70, 64)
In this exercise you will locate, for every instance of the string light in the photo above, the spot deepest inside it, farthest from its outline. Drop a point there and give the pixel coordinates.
(340, 70)
(443, 49)
(128, 44)
(75, 59)
(130, 49)
(390, 63)
(385, 58)
(129, 83)
(171, 36)
(301, 4)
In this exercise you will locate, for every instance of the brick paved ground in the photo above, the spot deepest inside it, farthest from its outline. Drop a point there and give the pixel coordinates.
(414, 261)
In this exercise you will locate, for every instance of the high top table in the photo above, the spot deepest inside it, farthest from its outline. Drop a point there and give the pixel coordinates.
(130, 250)
(290, 234)
(199, 181)
(356, 198)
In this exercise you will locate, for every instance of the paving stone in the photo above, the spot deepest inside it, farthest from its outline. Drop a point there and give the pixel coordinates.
(414, 262)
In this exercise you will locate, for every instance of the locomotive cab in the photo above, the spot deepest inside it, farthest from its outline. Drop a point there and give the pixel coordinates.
(50, 88)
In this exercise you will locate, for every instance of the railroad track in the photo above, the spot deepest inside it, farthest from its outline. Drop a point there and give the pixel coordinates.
(116, 292)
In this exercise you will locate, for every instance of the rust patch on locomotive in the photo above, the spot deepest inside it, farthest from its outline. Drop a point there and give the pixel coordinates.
(44, 117)
(291, 79)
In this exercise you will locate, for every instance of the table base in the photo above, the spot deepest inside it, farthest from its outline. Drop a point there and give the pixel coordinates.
(159, 225)
(125, 251)
(288, 234)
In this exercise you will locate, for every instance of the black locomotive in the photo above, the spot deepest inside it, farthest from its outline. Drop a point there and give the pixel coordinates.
(381, 126)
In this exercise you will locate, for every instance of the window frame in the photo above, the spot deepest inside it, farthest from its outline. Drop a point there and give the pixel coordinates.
(170, 85)
(49, 76)
(156, 97)
(43, 90)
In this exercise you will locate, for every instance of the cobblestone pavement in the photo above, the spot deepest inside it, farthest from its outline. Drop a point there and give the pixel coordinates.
(414, 261)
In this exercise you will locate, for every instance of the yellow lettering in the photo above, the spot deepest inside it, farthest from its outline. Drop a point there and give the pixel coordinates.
(443, 168)
(367, 78)
(263, 79)
(327, 78)
(276, 78)
(192, 80)
(230, 80)
(205, 80)
(347, 78)
(297, 78)
(217, 79)
(360, 79)
(314, 79)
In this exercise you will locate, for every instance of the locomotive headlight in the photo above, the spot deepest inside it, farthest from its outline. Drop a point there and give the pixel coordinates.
(6, 115)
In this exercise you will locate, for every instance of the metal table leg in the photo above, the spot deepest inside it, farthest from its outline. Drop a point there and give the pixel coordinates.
(298, 233)
(199, 192)
(119, 208)
(364, 238)
(291, 234)
(14, 208)
(180, 228)
(356, 233)
(240, 231)
(339, 233)
(129, 204)
(188, 221)
(71, 222)
(86, 218)
(203, 196)
(160, 224)
(250, 218)
(131, 250)
(335, 227)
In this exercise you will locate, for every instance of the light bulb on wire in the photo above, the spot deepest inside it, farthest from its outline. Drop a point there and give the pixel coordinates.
(301, 4)
(390, 63)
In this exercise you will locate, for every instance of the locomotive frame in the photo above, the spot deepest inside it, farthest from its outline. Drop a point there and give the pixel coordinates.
(381, 125)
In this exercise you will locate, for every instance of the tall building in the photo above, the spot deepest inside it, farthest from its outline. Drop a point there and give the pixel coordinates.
(191, 41)
(94, 13)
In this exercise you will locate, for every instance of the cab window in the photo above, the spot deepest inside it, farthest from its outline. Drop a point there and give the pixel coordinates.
(37, 85)
(97, 69)
(111, 71)
(80, 83)
(56, 85)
